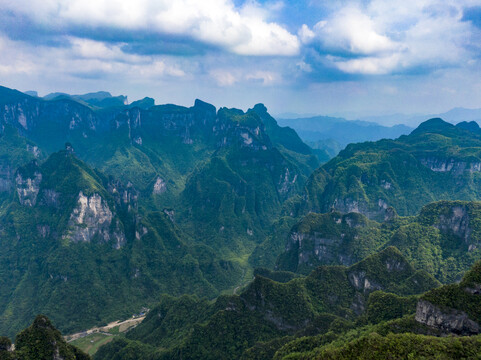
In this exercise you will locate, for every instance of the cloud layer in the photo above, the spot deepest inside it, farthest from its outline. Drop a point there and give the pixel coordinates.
(243, 31)
(293, 48)
(385, 37)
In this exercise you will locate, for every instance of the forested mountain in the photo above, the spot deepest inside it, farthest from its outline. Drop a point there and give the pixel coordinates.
(444, 239)
(330, 297)
(40, 341)
(437, 161)
(106, 208)
(224, 224)
(369, 310)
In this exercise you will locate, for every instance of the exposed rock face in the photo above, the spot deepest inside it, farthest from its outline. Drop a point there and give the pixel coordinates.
(6, 176)
(311, 246)
(381, 211)
(316, 245)
(361, 282)
(26, 114)
(124, 195)
(160, 186)
(43, 230)
(93, 217)
(359, 304)
(450, 165)
(446, 320)
(140, 231)
(170, 213)
(28, 188)
(286, 182)
(5, 346)
(34, 150)
(395, 265)
(456, 222)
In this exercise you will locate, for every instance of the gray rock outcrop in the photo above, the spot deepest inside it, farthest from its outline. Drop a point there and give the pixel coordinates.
(446, 320)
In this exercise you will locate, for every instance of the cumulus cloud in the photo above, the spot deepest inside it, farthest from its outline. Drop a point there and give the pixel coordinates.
(229, 77)
(382, 36)
(243, 31)
(353, 31)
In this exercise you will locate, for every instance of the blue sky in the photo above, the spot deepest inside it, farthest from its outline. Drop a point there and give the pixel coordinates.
(308, 56)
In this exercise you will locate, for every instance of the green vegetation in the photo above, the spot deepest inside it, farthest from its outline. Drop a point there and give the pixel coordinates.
(382, 306)
(268, 314)
(41, 341)
(463, 296)
(160, 221)
(398, 346)
(173, 208)
(91, 343)
(443, 240)
(437, 161)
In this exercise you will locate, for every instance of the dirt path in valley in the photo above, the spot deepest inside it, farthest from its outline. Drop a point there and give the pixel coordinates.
(123, 326)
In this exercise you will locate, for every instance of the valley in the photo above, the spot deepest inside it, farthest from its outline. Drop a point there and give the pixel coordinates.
(240, 238)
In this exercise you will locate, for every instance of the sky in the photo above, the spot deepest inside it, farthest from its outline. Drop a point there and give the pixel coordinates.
(366, 57)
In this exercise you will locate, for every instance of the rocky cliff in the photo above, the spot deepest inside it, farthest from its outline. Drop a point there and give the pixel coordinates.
(92, 218)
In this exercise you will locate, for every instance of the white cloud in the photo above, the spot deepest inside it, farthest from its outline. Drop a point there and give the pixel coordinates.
(13, 60)
(229, 77)
(243, 31)
(85, 58)
(354, 31)
(383, 36)
(306, 35)
(303, 66)
(266, 77)
(224, 77)
(95, 49)
(369, 65)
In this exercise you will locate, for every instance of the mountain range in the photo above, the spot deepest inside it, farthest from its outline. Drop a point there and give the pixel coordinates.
(95, 203)
(243, 241)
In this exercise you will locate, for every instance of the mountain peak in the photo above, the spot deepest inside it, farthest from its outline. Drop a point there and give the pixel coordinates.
(260, 108)
(199, 104)
(433, 125)
(144, 103)
(469, 125)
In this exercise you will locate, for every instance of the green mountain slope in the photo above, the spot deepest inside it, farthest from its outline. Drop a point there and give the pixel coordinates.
(240, 190)
(437, 161)
(454, 308)
(448, 310)
(109, 241)
(75, 247)
(267, 310)
(42, 341)
(442, 240)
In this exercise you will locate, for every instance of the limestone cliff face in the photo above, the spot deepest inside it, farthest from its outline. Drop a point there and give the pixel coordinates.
(457, 222)
(125, 195)
(380, 211)
(160, 186)
(454, 166)
(26, 115)
(6, 176)
(314, 245)
(167, 120)
(92, 217)
(446, 320)
(361, 282)
(286, 182)
(28, 188)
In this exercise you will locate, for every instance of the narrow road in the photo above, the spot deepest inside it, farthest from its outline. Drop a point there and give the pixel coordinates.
(105, 329)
